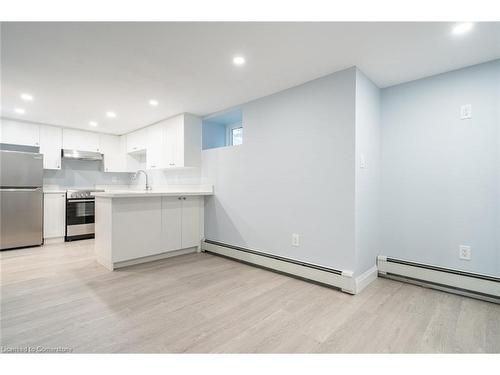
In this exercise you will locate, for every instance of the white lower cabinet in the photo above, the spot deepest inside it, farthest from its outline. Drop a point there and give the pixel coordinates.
(172, 223)
(181, 222)
(136, 228)
(54, 215)
(191, 210)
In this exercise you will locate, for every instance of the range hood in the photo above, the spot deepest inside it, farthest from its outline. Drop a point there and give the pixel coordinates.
(82, 155)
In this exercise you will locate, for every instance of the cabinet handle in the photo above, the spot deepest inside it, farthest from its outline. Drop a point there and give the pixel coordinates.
(184, 198)
(179, 198)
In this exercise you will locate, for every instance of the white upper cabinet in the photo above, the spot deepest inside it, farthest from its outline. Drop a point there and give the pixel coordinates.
(156, 151)
(174, 143)
(80, 140)
(116, 159)
(19, 133)
(136, 141)
(111, 147)
(50, 146)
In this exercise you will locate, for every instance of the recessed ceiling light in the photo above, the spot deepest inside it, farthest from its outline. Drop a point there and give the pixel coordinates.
(153, 103)
(20, 111)
(26, 97)
(110, 114)
(238, 60)
(462, 28)
(93, 124)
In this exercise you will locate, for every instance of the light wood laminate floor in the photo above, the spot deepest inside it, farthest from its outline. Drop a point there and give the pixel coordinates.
(58, 296)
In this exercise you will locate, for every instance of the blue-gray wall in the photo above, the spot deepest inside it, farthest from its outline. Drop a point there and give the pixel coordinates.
(293, 174)
(441, 174)
(214, 135)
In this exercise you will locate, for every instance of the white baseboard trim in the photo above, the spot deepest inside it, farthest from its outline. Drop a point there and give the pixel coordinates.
(366, 278)
(51, 240)
(340, 279)
(151, 258)
(461, 282)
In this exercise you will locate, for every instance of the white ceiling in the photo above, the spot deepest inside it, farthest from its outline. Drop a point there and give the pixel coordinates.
(78, 71)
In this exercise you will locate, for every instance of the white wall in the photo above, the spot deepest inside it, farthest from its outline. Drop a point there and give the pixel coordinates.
(293, 174)
(441, 174)
(367, 199)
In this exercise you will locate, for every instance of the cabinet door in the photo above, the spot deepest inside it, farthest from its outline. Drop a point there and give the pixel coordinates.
(172, 223)
(191, 221)
(155, 149)
(80, 140)
(19, 133)
(131, 163)
(174, 144)
(114, 159)
(136, 141)
(54, 215)
(50, 146)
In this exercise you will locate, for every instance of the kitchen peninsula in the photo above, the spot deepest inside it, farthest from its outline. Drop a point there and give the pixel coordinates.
(137, 226)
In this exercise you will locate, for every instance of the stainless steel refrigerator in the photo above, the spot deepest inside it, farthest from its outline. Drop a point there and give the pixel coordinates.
(21, 199)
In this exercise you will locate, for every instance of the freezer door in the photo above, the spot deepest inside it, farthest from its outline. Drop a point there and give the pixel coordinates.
(21, 169)
(21, 217)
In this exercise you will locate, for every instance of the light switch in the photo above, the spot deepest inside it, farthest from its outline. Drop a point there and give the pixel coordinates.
(466, 112)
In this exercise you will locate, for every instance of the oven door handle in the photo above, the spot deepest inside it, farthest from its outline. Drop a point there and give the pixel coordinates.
(80, 200)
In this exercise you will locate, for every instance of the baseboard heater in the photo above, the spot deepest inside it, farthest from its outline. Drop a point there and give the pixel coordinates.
(470, 284)
(340, 279)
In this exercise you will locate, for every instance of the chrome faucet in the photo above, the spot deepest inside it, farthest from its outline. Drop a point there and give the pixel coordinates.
(146, 175)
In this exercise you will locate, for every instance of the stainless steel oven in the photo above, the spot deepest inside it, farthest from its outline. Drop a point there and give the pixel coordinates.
(80, 214)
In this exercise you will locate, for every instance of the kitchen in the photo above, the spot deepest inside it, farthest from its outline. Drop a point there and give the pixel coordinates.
(67, 212)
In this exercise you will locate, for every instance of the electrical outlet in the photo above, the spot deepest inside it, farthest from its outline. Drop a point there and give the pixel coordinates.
(466, 112)
(464, 252)
(295, 239)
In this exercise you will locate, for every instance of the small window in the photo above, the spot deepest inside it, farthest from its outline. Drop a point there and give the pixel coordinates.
(236, 136)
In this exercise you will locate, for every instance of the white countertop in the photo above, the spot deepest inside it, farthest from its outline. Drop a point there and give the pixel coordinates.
(53, 191)
(160, 192)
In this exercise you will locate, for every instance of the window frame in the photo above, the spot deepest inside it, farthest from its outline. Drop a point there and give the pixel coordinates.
(230, 130)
